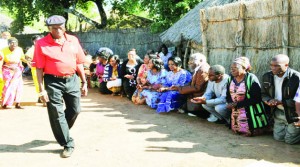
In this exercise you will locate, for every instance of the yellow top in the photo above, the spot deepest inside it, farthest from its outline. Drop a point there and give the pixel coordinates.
(13, 57)
(115, 73)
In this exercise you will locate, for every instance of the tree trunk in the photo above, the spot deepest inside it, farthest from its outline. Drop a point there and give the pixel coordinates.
(102, 13)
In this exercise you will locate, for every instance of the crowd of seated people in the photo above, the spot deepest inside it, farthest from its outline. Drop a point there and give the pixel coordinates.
(236, 99)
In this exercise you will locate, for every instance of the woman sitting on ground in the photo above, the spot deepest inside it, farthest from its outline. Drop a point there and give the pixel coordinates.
(244, 100)
(103, 61)
(156, 77)
(171, 99)
(144, 67)
(111, 75)
(141, 79)
(129, 70)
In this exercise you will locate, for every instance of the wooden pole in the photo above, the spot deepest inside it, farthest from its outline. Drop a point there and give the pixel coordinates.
(204, 26)
(239, 36)
(186, 54)
(285, 26)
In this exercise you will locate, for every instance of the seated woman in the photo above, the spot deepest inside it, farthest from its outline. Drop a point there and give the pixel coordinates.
(137, 97)
(144, 67)
(12, 74)
(103, 60)
(111, 75)
(156, 77)
(170, 99)
(244, 100)
(129, 70)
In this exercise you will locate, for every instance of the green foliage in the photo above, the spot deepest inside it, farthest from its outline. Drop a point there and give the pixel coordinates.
(26, 12)
(127, 13)
(164, 13)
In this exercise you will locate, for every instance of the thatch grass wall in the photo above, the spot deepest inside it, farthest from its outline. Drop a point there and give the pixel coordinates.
(255, 29)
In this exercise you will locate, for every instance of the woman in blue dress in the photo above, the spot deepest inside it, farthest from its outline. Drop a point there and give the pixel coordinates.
(171, 99)
(156, 77)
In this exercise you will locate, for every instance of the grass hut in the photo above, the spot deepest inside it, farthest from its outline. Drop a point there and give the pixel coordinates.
(187, 31)
(255, 29)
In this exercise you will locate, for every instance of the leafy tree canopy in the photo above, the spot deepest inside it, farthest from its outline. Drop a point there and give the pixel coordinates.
(26, 12)
(164, 13)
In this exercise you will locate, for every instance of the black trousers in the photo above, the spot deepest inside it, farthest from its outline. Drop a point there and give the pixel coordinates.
(103, 89)
(62, 91)
(128, 88)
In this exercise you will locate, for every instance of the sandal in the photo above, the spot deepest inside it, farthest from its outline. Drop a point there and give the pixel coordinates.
(18, 106)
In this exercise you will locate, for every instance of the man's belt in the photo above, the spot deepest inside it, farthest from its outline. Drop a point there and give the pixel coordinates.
(61, 77)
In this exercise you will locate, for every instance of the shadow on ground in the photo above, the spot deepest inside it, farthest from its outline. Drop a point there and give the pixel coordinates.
(30, 147)
(213, 139)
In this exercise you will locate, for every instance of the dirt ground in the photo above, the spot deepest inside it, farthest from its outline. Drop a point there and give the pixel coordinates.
(112, 132)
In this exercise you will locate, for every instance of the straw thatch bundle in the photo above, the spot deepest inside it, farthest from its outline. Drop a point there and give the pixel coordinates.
(255, 29)
(188, 27)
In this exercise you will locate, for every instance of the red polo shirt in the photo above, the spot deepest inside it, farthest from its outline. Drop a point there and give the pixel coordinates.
(58, 59)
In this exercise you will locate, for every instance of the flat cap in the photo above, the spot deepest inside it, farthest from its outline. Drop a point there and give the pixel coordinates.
(55, 19)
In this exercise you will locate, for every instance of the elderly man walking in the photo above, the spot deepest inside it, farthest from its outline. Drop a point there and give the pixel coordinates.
(199, 67)
(59, 59)
(279, 92)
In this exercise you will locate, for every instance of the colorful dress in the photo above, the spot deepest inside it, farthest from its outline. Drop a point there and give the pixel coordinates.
(12, 76)
(100, 71)
(239, 122)
(248, 117)
(143, 70)
(154, 79)
(170, 100)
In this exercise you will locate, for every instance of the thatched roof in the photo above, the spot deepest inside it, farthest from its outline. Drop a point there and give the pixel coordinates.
(188, 27)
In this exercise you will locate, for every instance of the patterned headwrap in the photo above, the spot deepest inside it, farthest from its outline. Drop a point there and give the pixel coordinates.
(243, 61)
(104, 52)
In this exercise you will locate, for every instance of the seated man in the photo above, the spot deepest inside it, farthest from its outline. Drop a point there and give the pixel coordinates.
(279, 92)
(199, 67)
(214, 98)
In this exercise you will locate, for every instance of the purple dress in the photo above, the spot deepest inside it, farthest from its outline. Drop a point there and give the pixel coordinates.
(152, 95)
(100, 71)
(170, 100)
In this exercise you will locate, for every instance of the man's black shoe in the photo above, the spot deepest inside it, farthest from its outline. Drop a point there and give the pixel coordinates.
(67, 152)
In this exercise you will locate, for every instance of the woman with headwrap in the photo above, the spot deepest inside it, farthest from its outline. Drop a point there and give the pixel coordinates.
(12, 74)
(103, 61)
(244, 99)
